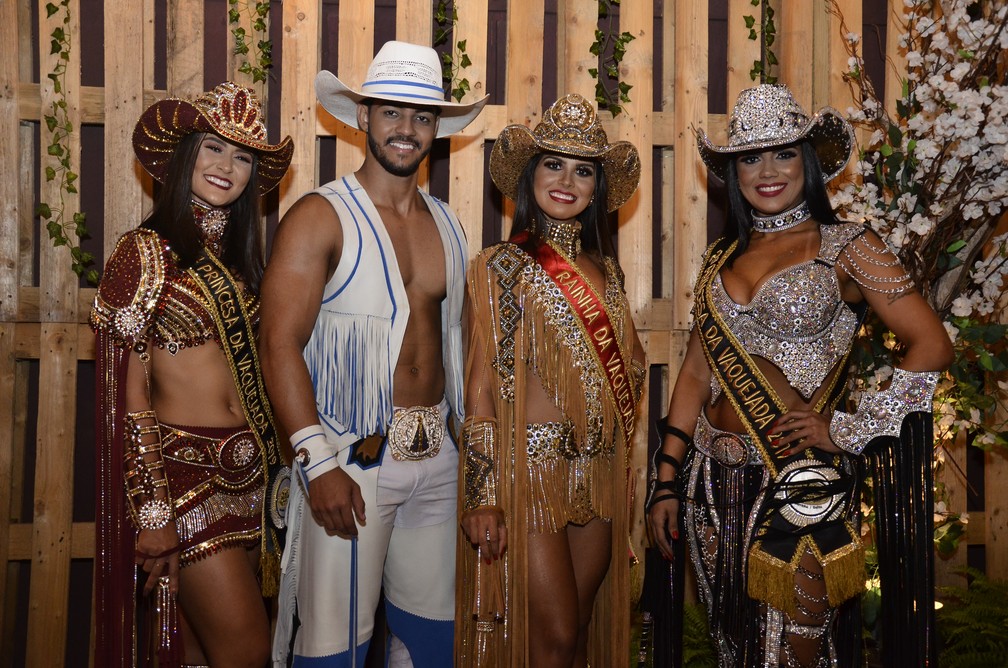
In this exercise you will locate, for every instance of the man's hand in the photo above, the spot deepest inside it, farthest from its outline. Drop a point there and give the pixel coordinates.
(335, 501)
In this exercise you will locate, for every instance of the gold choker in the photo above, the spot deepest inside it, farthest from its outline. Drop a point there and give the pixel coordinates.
(565, 236)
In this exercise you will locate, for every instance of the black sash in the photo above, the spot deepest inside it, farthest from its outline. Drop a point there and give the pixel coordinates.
(806, 505)
(238, 341)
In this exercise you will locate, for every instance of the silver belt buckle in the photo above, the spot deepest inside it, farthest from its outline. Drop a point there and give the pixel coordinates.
(730, 450)
(416, 433)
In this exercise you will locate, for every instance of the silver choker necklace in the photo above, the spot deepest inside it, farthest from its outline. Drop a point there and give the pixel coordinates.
(784, 220)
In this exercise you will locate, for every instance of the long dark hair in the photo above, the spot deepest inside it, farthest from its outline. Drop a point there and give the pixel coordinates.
(596, 237)
(740, 210)
(172, 217)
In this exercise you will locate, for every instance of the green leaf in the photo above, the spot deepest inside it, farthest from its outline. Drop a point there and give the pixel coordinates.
(71, 177)
(43, 211)
(50, 122)
(59, 34)
(886, 150)
(465, 61)
(55, 149)
(50, 9)
(956, 246)
(50, 173)
(593, 72)
(54, 47)
(79, 217)
(71, 189)
(750, 21)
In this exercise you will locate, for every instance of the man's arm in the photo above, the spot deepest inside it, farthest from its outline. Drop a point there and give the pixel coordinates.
(305, 253)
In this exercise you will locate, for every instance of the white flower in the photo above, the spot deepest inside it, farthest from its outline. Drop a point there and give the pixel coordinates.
(962, 306)
(952, 330)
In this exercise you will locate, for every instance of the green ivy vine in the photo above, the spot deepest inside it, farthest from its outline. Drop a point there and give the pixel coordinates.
(257, 48)
(611, 99)
(59, 222)
(763, 68)
(455, 59)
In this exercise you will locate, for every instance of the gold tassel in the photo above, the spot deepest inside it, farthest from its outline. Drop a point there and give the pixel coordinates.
(844, 572)
(269, 564)
(771, 580)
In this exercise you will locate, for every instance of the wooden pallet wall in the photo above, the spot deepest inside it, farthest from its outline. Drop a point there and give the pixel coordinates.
(155, 47)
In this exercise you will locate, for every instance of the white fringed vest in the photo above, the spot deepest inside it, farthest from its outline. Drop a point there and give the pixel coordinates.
(355, 343)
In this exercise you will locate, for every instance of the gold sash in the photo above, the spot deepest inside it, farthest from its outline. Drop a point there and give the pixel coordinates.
(807, 503)
(238, 342)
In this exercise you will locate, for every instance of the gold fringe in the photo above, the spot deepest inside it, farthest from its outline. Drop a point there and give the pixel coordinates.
(269, 564)
(771, 580)
(844, 571)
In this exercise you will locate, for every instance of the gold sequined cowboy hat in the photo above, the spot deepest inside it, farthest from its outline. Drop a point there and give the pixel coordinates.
(400, 72)
(229, 110)
(767, 116)
(569, 127)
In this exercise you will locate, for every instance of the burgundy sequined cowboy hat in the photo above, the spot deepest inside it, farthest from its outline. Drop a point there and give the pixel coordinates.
(229, 110)
(768, 116)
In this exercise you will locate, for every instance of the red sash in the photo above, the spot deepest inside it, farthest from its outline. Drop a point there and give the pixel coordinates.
(595, 323)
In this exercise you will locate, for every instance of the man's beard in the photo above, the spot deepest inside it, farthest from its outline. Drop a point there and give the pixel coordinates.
(394, 168)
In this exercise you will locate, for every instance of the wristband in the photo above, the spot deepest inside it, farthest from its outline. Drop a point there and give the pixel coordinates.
(882, 413)
(313, 454)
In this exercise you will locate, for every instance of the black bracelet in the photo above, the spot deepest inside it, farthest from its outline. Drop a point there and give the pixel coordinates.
(662, 457)
(665, 429)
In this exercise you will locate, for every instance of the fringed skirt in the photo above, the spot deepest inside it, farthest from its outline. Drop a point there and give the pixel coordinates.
(725, 487)
(216, 481)
(566, 486)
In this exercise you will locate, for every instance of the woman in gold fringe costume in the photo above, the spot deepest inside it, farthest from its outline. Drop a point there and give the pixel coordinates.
(554, 374)
(769, 475)
(186, 446)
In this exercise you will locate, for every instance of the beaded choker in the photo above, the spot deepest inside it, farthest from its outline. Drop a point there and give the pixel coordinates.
(212, 223)
(566, 236)
(784, 220)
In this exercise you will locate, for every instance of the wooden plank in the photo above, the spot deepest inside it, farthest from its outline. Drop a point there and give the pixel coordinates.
(124, 83)
(952, 476)
(185, 48)
(635, 231)
(996, 514)
(298, 107)
(53, 512)
(576, 24)
(57, 280)
(414, 24)
(8, 374)
(10, 154)
(465, 194)
(414, 21)
(690, 237)
(356, 51)
(839, 93)
(525, 46)
(742, 51)
(19, 541)
(794, 47)
(246, 12)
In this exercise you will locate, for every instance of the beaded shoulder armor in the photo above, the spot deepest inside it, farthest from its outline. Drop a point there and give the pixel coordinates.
(797, 319)
(145, 295)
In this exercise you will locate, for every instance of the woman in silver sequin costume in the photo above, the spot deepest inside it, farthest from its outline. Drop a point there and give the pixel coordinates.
(184, 441)
(754, 448)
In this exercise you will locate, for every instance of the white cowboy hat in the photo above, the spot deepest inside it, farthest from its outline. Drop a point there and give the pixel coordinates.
(400, 72)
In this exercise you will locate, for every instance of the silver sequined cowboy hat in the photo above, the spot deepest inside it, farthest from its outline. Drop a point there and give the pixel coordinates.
(767, 116)
(400, 72)
(569, 127)
(229, 110)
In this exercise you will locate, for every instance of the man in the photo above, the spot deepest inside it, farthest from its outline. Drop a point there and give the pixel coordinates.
(361, 352)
